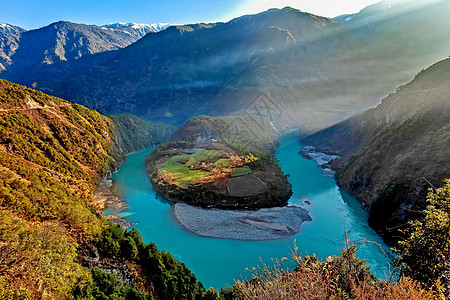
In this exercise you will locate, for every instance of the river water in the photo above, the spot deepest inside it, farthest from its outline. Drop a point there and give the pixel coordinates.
(217, 262)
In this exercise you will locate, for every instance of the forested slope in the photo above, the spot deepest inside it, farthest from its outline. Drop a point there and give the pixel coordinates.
(53, 154)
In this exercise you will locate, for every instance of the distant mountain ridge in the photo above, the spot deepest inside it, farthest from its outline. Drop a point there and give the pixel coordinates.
(61, 48)
(297, 69)
(10, 29)
(300, 70)
(137, 28)
(9, 42)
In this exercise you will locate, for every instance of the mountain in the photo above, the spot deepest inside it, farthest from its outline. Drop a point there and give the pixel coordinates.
(59, 49)
(52, 154)
(10, 29)
(392, 153)
(133, 134)
(298, 69)
(54, 244)
(9, 42)
(410, 35)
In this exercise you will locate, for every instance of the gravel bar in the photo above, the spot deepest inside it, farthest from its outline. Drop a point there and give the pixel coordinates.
(263, 224)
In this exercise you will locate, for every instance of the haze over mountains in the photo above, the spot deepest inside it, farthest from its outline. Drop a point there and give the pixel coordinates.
(410, 35)
(393, 152)
(218, 69)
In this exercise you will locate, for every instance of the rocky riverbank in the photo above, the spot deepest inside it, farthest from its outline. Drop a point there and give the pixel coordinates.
(322, 159)
(262, 224)
(104, 198)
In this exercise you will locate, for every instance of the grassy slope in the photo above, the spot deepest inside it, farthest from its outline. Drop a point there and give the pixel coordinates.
(388, 149)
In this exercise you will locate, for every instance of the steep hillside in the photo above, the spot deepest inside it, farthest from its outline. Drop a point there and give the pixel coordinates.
(295, 68)
(410, 35)
(9, 42)
(57, 50)
(52, 156)
(221, 162)
(392, 152)
(132, 134)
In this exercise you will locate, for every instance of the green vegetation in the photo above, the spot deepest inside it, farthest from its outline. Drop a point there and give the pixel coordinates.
(105, 286)
(133, 134)
(338, 277)
(52, 156)
(223, 162)
(204, 155)
(170, 278)
(34, 259)
(241, 171)
(181, 174)
(424, 255)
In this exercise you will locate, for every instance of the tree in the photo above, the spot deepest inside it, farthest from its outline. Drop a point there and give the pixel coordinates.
(425, 254)
(128, 248)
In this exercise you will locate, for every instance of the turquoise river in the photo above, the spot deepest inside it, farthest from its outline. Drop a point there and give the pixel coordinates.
(217, 262)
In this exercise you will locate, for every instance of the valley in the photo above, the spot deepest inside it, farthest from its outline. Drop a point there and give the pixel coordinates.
(275, 154)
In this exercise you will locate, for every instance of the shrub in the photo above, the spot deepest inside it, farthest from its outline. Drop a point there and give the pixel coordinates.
(424, 254)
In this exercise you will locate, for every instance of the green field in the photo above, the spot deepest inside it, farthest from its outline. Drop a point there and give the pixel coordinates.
(241, 171)
(209, 156)
(222, 163)
(182, 174)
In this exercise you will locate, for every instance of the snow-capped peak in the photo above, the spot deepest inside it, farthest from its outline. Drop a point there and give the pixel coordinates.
(138, 26)
(6, 28)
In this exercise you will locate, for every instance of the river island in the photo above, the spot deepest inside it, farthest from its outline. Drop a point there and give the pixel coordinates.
(223, 168)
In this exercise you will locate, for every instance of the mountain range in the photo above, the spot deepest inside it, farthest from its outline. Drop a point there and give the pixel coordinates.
(300, 70)
(275, 59)
(297, 69)
(9, 42)
(59, 49)
(137, 29)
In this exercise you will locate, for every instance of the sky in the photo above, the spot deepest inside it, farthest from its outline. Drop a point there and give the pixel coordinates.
(32, 14)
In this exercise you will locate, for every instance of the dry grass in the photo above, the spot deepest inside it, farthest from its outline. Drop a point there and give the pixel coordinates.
(338, 277)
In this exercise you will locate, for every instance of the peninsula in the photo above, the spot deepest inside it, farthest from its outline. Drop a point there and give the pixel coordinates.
(224, 163)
